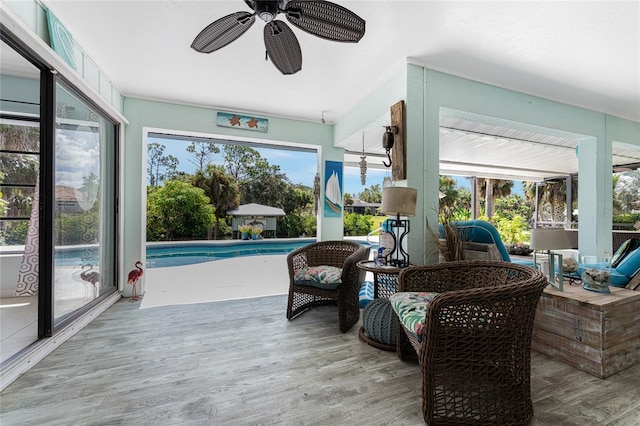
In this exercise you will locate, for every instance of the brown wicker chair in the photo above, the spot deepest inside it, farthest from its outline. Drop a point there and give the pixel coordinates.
(341, 254)
(475, 350)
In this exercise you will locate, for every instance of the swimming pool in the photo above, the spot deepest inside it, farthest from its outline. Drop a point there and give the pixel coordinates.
(165, 255)
(168, 254)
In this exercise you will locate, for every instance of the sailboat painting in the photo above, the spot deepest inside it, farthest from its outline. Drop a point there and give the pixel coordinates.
(333, 189)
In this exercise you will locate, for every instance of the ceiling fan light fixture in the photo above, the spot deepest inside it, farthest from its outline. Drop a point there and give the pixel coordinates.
(266, 10)
(267, 16)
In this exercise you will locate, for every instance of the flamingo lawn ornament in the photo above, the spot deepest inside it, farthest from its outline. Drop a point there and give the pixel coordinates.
(133, 278)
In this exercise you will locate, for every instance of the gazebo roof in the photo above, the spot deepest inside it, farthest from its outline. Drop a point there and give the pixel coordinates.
(254, 209)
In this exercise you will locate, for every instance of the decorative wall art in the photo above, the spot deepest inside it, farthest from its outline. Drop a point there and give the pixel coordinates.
(333, 188)
(228, 119)
(61, 40)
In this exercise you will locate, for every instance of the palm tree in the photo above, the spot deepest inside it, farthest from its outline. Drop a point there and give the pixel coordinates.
(499, 188)
(221, 188)
(373, 194)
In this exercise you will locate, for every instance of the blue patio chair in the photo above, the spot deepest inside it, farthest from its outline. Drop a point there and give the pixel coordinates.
(480, 231)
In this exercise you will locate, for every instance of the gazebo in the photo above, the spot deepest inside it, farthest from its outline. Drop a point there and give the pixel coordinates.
(255, 214)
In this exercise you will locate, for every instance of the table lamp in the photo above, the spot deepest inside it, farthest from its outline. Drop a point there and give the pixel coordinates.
(548, 239)
(399, 201)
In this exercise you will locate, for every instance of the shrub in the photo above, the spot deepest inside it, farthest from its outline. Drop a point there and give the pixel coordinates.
(357, 224)
(512, 231)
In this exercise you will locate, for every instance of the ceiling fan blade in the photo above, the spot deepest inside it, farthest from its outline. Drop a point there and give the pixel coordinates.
(223, 31)
(325, 19)
(282, 47)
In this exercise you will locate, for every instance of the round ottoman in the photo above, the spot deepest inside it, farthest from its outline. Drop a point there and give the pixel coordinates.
(379, 325)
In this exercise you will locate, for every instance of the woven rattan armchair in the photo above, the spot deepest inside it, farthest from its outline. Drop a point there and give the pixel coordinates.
(341, 254)
(475, 347)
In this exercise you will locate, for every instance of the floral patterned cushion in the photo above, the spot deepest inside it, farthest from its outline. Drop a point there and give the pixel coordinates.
(411, 308)
(324, 276)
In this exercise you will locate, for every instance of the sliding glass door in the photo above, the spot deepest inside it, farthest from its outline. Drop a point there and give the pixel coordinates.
(84, 204)
(58, 201)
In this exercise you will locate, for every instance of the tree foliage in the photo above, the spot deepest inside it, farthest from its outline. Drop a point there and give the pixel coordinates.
(512, 230)
(159, 166)
(240, 159)
(262, 183)
(373, 194)
(295, 225)
(490, 190)
(515, 205)
(19, 169)
(177, 210)
(202, 153)
(357, 224)
(348, 199)
(221, 189)
(245, 177)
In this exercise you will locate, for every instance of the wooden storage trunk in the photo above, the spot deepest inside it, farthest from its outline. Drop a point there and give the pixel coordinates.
(597, 333)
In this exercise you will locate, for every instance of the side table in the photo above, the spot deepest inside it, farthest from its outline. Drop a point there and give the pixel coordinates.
(385, 278)
(378, 314)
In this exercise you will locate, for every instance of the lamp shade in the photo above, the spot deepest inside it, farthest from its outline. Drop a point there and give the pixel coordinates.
(549, 239)
(398, 200)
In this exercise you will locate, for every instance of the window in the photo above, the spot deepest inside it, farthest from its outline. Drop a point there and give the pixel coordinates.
(19, 168)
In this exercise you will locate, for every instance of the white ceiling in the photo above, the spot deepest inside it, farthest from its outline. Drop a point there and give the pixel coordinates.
(580, 53)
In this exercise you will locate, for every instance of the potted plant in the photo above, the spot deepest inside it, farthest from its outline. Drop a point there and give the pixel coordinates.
(245, 231)
(255, 232)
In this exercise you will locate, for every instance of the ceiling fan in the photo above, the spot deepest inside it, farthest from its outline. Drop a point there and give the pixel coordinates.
(318, 17)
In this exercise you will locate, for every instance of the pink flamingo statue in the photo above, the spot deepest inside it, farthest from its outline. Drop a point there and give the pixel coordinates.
(133, 278)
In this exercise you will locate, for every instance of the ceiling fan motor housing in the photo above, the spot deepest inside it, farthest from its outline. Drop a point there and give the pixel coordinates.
(267, 9)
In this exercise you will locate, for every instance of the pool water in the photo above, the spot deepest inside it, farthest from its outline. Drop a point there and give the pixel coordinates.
(169, 254)
(165, 255)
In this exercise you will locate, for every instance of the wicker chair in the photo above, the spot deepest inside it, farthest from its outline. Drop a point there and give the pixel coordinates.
(341, 254)
(475, 348)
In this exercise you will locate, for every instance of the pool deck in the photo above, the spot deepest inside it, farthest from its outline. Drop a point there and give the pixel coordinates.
(226, 279)
(236, 278)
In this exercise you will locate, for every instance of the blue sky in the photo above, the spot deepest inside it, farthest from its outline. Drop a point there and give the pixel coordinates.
(300, 167)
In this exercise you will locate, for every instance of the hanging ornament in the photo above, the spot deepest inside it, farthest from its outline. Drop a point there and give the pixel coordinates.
(363, 165)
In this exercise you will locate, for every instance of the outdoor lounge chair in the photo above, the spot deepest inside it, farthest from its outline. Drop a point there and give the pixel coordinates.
(483, 232)
(326, 273)
(470, 328)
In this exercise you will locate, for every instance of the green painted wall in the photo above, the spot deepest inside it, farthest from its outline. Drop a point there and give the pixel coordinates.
(21, 90)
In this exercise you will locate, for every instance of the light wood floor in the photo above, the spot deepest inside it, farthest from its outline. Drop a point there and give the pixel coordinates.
(241, 362)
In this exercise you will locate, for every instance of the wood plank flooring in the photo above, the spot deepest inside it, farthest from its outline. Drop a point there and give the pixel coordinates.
(241, 362)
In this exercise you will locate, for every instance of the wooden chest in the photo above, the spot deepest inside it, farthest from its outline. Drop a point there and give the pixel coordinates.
(597, 333)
